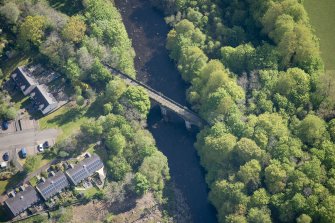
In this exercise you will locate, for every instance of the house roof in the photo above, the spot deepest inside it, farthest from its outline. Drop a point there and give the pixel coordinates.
(52, 185)
(23, 79)
(41, 97)
(22, 200)
(84, 169)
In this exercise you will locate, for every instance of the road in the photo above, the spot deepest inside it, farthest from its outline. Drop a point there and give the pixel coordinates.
(26, 138)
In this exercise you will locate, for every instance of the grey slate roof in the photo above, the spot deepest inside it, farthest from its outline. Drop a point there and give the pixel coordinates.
(41, 97)
(52, 185)
(84, 169)
(22, 201)
(22, 79)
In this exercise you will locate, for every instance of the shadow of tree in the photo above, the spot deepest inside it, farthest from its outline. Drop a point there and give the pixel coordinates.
(69, 116)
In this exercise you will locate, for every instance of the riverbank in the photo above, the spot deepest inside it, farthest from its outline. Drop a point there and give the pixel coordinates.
(148, 30)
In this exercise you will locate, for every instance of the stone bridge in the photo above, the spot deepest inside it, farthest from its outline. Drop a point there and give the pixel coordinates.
(166, 104)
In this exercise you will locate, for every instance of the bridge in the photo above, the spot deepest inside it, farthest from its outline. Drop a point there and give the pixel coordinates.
(166, 104)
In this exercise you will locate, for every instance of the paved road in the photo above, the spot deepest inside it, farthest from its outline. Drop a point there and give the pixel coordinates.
(26, 138)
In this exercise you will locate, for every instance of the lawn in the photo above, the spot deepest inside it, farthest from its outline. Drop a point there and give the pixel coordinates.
(67, 118)
(9, 66)
(3, 185)
(322, 16)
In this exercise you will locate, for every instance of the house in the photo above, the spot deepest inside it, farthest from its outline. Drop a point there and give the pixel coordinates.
(21, 201)
(43, 101)
(53, 185)
(23, 80)
(84, 169)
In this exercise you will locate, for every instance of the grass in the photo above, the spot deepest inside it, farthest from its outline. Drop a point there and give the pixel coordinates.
(89, 193)
(67, 118)
(322, 17)
(3, 185)
(39, 161)
(9, 66)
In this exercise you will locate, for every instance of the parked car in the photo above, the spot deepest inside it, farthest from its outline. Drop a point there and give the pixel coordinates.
(23, 153)
(5, 125)
(46, 144)
(40, 147)
(5, 157)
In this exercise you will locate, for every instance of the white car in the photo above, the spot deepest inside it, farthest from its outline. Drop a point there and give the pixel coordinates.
(40, 147)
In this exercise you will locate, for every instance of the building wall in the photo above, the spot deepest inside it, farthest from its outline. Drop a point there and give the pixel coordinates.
(49, 108)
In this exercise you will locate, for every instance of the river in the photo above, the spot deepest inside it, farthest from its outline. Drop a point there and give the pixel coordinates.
(147, 29)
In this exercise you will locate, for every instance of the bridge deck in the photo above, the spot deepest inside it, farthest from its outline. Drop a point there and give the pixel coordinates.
(182, 111)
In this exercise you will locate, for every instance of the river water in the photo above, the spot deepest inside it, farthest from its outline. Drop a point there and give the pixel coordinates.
(147, 29)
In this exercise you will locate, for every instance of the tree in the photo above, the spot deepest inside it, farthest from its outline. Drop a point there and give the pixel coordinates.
(92, 129)
(331, 128)
(31, 31)
(311, 130)
(114, 89)
(249, 173)
(141, 184)
(238, 59)
(80, 100)
(191, 61)
(73, 71)
(116, 142)
(257, 215)
(275, 177)
(304, 218)
(99, 73)
(138, 98)
(75, 29)
(108, 108)
(118, 167)
(10, 11)
(156, 170)
(246, 149)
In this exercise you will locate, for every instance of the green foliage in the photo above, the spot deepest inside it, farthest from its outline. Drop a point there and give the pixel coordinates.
(31, 164)
(75, 29)
(10, 11)
(311, 130)
(115, 142)
(138, 98)
(118, 167)
(92, 129)
(267, 156)
(141, 184)
(155, 169)
(238, 59)
(31, 31)
(191, 61)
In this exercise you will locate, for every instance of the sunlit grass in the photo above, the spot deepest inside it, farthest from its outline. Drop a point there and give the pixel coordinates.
(322, 17)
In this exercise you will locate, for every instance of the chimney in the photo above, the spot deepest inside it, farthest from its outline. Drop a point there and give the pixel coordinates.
(11, 194)
(21, 188)
(87, 155)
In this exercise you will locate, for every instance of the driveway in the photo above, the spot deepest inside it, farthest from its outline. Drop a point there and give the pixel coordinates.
(26, 139)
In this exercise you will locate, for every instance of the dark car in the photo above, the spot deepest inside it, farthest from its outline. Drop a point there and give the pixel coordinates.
(5, 157)
(46, 144)
(5, 125)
